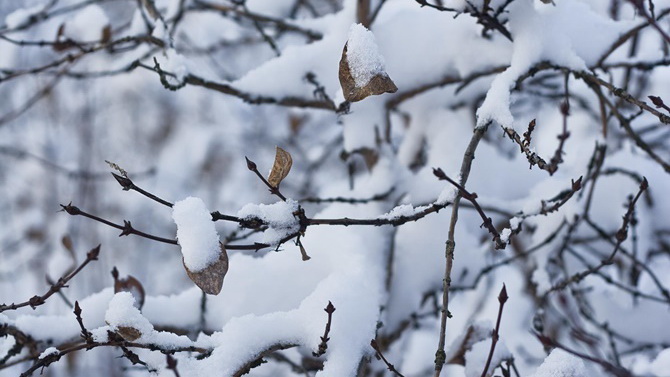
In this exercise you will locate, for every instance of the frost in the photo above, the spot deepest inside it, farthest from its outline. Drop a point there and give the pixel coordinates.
(279, 217)
(196, 233)
(363, 56)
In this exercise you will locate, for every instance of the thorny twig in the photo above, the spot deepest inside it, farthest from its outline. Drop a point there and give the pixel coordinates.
(36, 301)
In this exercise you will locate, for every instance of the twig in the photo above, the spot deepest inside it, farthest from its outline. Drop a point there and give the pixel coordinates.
(126, 228)
(472, 198)
(340, 199)
(468, 157)
(274, 190)
(36, 301)
(85, 334)
(323, 346)
(380, 356)
(502, 299)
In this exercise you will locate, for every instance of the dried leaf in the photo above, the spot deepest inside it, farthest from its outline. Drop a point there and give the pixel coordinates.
(379, 84)
(210, 279)
(151, 8)
(132, 285)
(129, 333)
(67, 244)
(280, 168)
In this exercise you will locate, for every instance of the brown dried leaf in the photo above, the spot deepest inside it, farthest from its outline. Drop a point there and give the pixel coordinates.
(280, 168)
(379, 84)
(67, 244)
(129, 333)
(132, 285)
(210, 279)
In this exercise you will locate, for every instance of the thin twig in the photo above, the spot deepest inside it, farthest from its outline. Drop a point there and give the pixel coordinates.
(502, 299)
(36, 301)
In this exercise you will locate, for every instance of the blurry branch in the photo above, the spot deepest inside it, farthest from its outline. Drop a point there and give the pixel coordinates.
(621, 235)
(32, 101)
(380, 356)
(625, 124)
(70, 173)
(472, 198)
(36, 301)
(614, 370)
(628, 35)
(271, 42)
(502, 299)
(651, 19)
(323, 346)
(404, 95)
(340, 199)
(282, 25)
(46, 14)
(9, 74)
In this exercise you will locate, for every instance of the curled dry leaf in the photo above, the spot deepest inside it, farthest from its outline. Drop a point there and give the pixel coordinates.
(210, 279)
(280, 168)
(132, 285)
(380, 83)
(129, 333)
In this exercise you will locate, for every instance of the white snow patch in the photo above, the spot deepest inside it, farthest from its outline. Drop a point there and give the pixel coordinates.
(87, 24)
(196, 233)
(48, 351)
(363, 55)
(278, 216)
(123, 313)
(20, 17)
(475, 358)
(561, 364)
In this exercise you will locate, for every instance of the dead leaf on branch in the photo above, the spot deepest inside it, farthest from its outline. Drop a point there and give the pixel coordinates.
(379, 83)
(210, 279)
(129, 284)
(280, 168)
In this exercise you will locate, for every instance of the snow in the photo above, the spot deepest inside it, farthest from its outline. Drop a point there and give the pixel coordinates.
(541, 34)
(87, 24)
(475, 358)
(279, 218)
(661, 364)
(48, 351)
(363, 55)
(383, 280)
(196, 233)
(21, 16)
(561, 364)
(123, 313)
